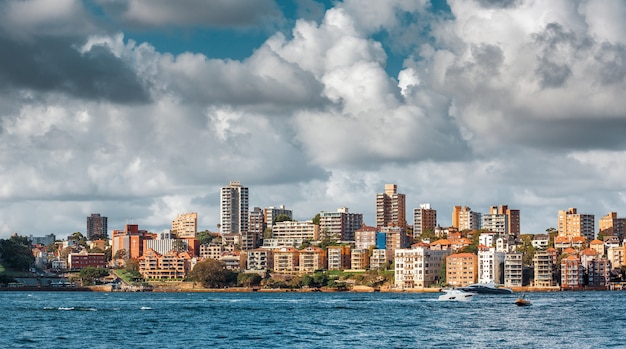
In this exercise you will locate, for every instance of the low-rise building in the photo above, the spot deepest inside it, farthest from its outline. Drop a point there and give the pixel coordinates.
(286, 260)
(312, 259)
(359, 259)
(338, 257)
(171, 265)
(513, 269)
(572, 272)
(543, 262)
(83, 259)
(260, 259)
(418, 267)
(461, 269)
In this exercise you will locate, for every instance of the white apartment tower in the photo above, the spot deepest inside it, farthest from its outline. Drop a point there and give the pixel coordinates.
(234, 208)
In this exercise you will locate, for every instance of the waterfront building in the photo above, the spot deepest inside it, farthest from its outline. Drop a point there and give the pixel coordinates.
(233, 260)
(234, 208)
(365, 237)
(390, 207)
(340, 225)
(286, 260)
(359, 259)
(271, 213)
(417, 267)
(599, 272)
(490, 265)
(83, 259)
(543, 262)
(513, 269)
(461, 269)
(338, 257)
(379, 258)
(185, 226)
(395, 238)
(463, 218)
(424, 218)
(312, 259)
(572, 272)
(260, 259)
(171, 265)
(256, 227)
(97, 226)
(131, 240)
(612, 225)
(574, 224)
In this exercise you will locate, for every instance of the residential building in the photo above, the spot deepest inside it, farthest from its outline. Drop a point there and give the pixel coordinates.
(97, 226)
(271, 213)
(185, 226)
(572, 272)
(541, 241)
(390, 208)
(417, 267)
(461, 269)
(365, 237)
(340, 225)
(292, 233)
(424, 218)
(598, 246)
(599, 272)
(234, 208)
(234, 260)
(171, 265)
(260, 259)
(612, 225)
(338, 257)
(214, 251)
(490, 265)
(42, 240)
(574, 224)
(463, 218)
(312, 259)
(83, 259)
(615, 255)
(379, 259)
(131, 240)
(165, 242)
(544, 269)
(286, 260)
(395, 238)
(503, 220)
(359, 259)
(256, 228)
(513, 269)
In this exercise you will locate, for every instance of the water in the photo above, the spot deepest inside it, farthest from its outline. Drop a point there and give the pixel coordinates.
(309, 320)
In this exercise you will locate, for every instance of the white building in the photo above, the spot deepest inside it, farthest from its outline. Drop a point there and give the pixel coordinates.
(490, 266)
(234, 208)
(292, 233)
(513, 269)
(340, 225)
(418, 267)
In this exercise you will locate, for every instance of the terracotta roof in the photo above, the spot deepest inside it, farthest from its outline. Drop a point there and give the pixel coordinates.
(441, 242)
(569, 250)
(462, 255)
(589, 252)
(579, 239)
(561, 239)
(596, 242)
(420, 244)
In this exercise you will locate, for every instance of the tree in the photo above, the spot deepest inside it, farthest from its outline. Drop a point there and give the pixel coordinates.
(120, 254)
(79, 238)
(204, 237)
(316, 219)
(132, 265)
(268, 233)
(552, 233)
(282, 218)
(16, 253)
(211, 273)
(249, 279)
(89, 274)
(107, 254)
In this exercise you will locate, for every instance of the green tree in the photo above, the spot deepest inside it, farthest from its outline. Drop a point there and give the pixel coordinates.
(79, 238)
(89, 274)
(16, 253)
(120, 254)
(248, 279)
(204, 237)
(552, 233)
(107, 254)
(211, 273)
(282, 218)
(268, 233)
(316, 219)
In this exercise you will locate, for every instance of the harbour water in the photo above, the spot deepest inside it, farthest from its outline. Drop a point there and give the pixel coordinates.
(591, 319)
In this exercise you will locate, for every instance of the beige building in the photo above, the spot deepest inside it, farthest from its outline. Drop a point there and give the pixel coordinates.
(513, 269)
(312, 259)
(463, 218)
(574, 224)
(292, 233)
(461, 269)
(286, 260)
(365, 237)
(260, 259)
(417, 267)
(544, 269)
(359, 259)
(338, 257)
(390, 207)
(185, 226)
(616, 256)
(172, 265)
(340, 225)
(610, 225)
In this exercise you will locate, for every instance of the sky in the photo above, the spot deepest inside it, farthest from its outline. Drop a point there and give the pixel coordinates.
(142, 109)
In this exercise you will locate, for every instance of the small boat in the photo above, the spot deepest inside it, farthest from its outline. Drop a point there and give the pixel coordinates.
(456, 295)
(522, 301)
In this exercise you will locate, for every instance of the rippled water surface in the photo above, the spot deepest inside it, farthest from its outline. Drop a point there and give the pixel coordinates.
(309, 320)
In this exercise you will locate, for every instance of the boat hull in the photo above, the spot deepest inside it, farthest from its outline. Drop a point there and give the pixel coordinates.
(486, 289)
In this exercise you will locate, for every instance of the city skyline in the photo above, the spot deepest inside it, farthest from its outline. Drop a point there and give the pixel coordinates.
(142, 110)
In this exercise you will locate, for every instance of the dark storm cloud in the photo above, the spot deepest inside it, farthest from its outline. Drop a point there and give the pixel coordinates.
(559, 46)
(612, 58)
(54, 65)
(552, 74)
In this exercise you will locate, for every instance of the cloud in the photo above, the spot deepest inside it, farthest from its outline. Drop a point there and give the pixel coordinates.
(190, 13)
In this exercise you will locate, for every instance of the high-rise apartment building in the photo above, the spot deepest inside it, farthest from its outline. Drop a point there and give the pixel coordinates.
(256, 227)
(611, 225)
(185, 226)
(502, 220)
(424, 218)
(271, 213)
(390, 207)
(463, 218)
(96, 226)
(234, 208)
(574, 224)
(340, 225)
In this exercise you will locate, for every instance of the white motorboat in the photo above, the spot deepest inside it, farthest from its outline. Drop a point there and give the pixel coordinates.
(456, 295)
